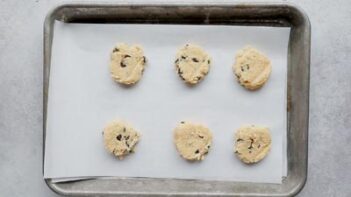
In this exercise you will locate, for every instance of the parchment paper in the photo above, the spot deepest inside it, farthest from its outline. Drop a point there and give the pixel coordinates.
(83, 98)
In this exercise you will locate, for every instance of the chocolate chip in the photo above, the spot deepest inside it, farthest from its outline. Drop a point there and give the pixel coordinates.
(197, 151)
(183, 57)
(259, 145)
(115, 50)
(144, 59)
(198, 78)
(208, 61)
(127, 137)
(252, 141)
(242, 69)
(200, 136)
(208, 146)
(182, 122)
(127, 144)
(119, 137)
(180, 73)
(126, 56)
(238, 140)
(177, 60)
(195, 60)
(123, 65)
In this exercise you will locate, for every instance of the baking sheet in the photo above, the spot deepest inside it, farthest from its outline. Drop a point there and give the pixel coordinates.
(83, 98)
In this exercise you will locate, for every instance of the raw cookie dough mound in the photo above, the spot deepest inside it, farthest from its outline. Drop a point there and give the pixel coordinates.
(127, 63)
(120, 138)
(251, 68)
(192, 141)
(252, 143)
(192, 63)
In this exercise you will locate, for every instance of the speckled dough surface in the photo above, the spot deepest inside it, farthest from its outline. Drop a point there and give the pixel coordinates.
(192, 63)
(251, 68)
(127, 63)
(120, 138)
(192, 141)
(252, 143)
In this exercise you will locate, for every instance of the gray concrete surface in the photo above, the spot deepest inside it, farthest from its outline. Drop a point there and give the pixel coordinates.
(21, 35)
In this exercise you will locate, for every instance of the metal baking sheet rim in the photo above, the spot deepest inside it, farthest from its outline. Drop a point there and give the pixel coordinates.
(258, 14)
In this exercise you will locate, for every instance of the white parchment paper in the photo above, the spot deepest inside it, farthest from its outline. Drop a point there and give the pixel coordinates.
(83, 98)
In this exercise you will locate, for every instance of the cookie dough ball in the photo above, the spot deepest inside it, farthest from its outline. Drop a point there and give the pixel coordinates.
(120, 138)
(251, 68)
(127, 63)
(192, 63)
(252, 143)
(192, 141)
